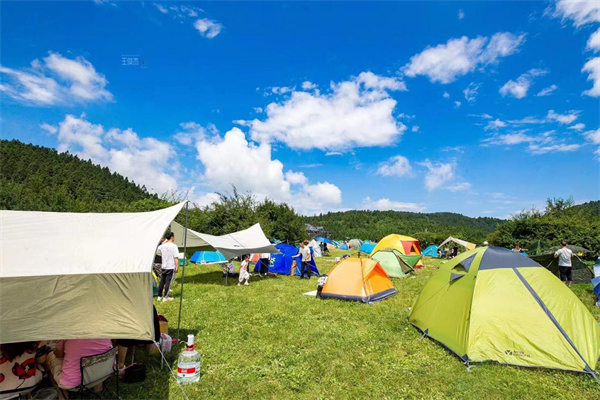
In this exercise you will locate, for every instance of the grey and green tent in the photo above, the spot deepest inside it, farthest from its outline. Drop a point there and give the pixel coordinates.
(78, 275)
(393, 262)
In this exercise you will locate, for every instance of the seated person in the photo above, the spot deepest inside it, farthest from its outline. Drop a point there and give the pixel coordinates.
(229, 270)
(19, 367)
(63, 362)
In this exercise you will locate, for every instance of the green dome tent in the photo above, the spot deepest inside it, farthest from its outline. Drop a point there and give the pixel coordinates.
(392, 262)
(491, 304)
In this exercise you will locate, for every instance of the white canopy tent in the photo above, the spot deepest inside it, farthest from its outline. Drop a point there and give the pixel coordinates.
(78, 275)
(464, 243)
(251, 240)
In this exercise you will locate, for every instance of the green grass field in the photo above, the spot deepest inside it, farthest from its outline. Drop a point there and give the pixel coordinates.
(268, 341)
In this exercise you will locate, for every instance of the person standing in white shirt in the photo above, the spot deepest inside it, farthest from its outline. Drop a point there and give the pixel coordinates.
(306, 257)
(565, 267)
(170, 264)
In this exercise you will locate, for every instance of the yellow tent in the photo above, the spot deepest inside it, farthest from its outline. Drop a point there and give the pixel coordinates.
(405, 245)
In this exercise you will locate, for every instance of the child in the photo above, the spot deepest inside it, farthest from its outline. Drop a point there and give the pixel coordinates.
(244, 275)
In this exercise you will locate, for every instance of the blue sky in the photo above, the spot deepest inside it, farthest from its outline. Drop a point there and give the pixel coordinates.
(481, 108)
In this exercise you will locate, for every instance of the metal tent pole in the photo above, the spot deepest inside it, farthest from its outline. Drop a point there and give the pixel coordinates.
(183, 267)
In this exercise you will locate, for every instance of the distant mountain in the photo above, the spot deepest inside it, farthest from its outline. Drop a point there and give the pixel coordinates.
(428, 228)
(42, 179)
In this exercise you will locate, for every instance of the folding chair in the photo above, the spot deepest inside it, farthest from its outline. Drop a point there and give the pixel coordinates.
(95, 370)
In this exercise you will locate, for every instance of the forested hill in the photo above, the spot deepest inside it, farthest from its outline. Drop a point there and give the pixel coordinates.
(428, 228)
(42, 179)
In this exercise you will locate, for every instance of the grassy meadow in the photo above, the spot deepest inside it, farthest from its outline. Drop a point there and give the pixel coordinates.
(268, 341)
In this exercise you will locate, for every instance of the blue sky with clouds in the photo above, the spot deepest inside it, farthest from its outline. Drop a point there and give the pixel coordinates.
(481, 108)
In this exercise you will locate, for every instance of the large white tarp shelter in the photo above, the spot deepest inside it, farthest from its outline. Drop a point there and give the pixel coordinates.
(251, 240)
(78, 275)
(464, 243)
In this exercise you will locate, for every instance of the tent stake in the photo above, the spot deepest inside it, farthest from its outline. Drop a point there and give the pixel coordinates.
(183, 267)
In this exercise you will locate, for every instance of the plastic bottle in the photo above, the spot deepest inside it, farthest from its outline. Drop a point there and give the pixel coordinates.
(188, 365)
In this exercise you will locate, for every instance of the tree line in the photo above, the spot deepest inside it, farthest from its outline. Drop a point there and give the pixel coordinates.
(42, 179)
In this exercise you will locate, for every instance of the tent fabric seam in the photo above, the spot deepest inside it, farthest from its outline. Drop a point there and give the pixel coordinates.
(552, 318)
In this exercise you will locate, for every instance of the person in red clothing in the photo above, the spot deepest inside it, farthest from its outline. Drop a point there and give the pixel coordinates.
(19, 367)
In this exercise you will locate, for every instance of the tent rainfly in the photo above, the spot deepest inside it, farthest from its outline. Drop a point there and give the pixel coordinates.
(78, 275)
(463, 243)
(251, 240)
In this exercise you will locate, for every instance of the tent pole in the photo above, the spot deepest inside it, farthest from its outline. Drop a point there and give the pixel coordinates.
(183, 267)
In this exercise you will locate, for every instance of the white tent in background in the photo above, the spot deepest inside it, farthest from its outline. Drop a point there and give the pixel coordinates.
(464, 243)
(316, 247)
(251, 240)
(78, 275)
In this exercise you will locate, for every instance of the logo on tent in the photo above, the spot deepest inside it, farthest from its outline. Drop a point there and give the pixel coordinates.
(516, 353)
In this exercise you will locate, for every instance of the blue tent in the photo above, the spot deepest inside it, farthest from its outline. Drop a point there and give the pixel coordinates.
(282, 263)
(367, 248)
(324, 240)
(344, 246)
(431, 251)
(208, 257)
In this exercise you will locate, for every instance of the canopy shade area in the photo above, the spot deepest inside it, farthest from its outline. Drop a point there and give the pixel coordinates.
(78, 275)
(463, 243)
(251, 240)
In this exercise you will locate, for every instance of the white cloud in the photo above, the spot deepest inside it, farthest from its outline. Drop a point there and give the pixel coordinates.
(147, 161)
(281, 89)
(592, 67)
(470, 91)
(594, 41)
(562, 118)
(457, 104)
(446, 95)
(56, 80)
(519, 88)
(259, 174)
(495, 125)
(296, 178)
(49, 128)
(594, 138)
(307, 85)
(458, 187)
(445, 62)
(208, 28)
(545, 142)
(386, 204)
(395, 166)
(581, 12)
(415, 128)
(547, 91)
(578, 127)
(437, 174)
(356, 113)
(562, 147)
(204, 199)
(509, 139)
(161, 8)
(461, 14)
(194, 132)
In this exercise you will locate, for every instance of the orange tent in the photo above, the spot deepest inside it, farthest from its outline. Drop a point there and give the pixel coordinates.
(358, 279)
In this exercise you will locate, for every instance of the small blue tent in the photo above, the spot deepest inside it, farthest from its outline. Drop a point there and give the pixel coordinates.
(208, 257)
(282, 263)
(431, 251)
(324, 240)
(344, 246)
(367, 248)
